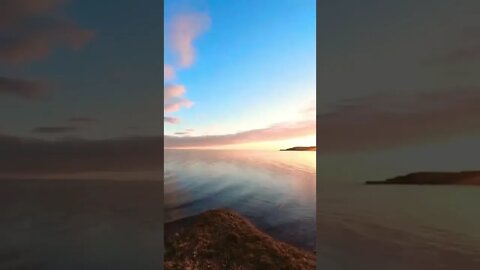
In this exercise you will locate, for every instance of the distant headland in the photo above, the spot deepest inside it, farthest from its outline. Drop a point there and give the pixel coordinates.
(301, 148)
(433, 178)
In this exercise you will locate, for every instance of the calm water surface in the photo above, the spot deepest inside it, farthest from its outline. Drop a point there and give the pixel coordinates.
(398, 227)
(276, 190)
(80, 224)
(357, 226)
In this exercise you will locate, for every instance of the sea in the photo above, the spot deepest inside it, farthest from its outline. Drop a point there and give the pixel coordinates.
(350, 225)
(115, 221)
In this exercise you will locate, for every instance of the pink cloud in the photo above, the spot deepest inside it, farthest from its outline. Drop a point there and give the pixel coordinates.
(31, 30)
(171, 119)
(173, 90)
(168, 72)
(375, 122)
(280, 131)
(176, 104)
(173, 98)
(184, 30)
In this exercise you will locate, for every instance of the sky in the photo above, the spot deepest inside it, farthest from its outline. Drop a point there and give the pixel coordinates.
(239, 74)
(398, 87)
(66, 66)
(80, 86)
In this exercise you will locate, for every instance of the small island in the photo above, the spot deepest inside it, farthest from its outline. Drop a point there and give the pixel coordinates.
(301, 148)
(433, 178)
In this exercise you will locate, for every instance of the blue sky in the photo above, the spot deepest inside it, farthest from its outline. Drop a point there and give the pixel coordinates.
(254, 65)
(392, 76)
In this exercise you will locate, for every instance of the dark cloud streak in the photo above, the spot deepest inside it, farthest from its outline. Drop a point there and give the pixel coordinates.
(35, 42)
(26, 155)
(380, 122)
(31, 29)
(22, 88)
(171, 119)
(54, 129)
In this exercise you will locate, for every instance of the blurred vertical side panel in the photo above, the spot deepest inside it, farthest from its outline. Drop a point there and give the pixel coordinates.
(81, 142)
(399, 135)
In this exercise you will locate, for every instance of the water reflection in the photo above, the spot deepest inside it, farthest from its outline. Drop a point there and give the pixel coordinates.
(398, 227)
(80, 224)
(276, 190)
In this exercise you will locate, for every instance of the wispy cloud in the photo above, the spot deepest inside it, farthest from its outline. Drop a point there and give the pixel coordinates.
(31, 29)
(26, 155)
(168, 72)
(174, 98)
(280, 131)
(22, 88)
(173, 90)
(186, 132)
(386, 121)
(171, 119)
(185, 28)
(176, 104)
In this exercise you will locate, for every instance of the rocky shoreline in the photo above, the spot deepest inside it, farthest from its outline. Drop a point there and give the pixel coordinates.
(223, 239)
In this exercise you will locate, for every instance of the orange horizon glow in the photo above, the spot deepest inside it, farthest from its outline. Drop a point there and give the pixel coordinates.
(309, 140)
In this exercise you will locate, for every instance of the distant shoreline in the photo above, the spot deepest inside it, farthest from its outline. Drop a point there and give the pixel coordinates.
(301, 148)
(467, 178)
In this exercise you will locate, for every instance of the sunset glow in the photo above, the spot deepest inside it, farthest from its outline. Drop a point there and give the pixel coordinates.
(268, 145)
(213, 99)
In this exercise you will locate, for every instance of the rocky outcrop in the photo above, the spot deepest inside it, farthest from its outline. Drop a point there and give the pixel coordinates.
(222, 239)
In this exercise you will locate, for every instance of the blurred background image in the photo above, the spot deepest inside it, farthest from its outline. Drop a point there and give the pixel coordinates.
(81, 147)
(399, 89)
